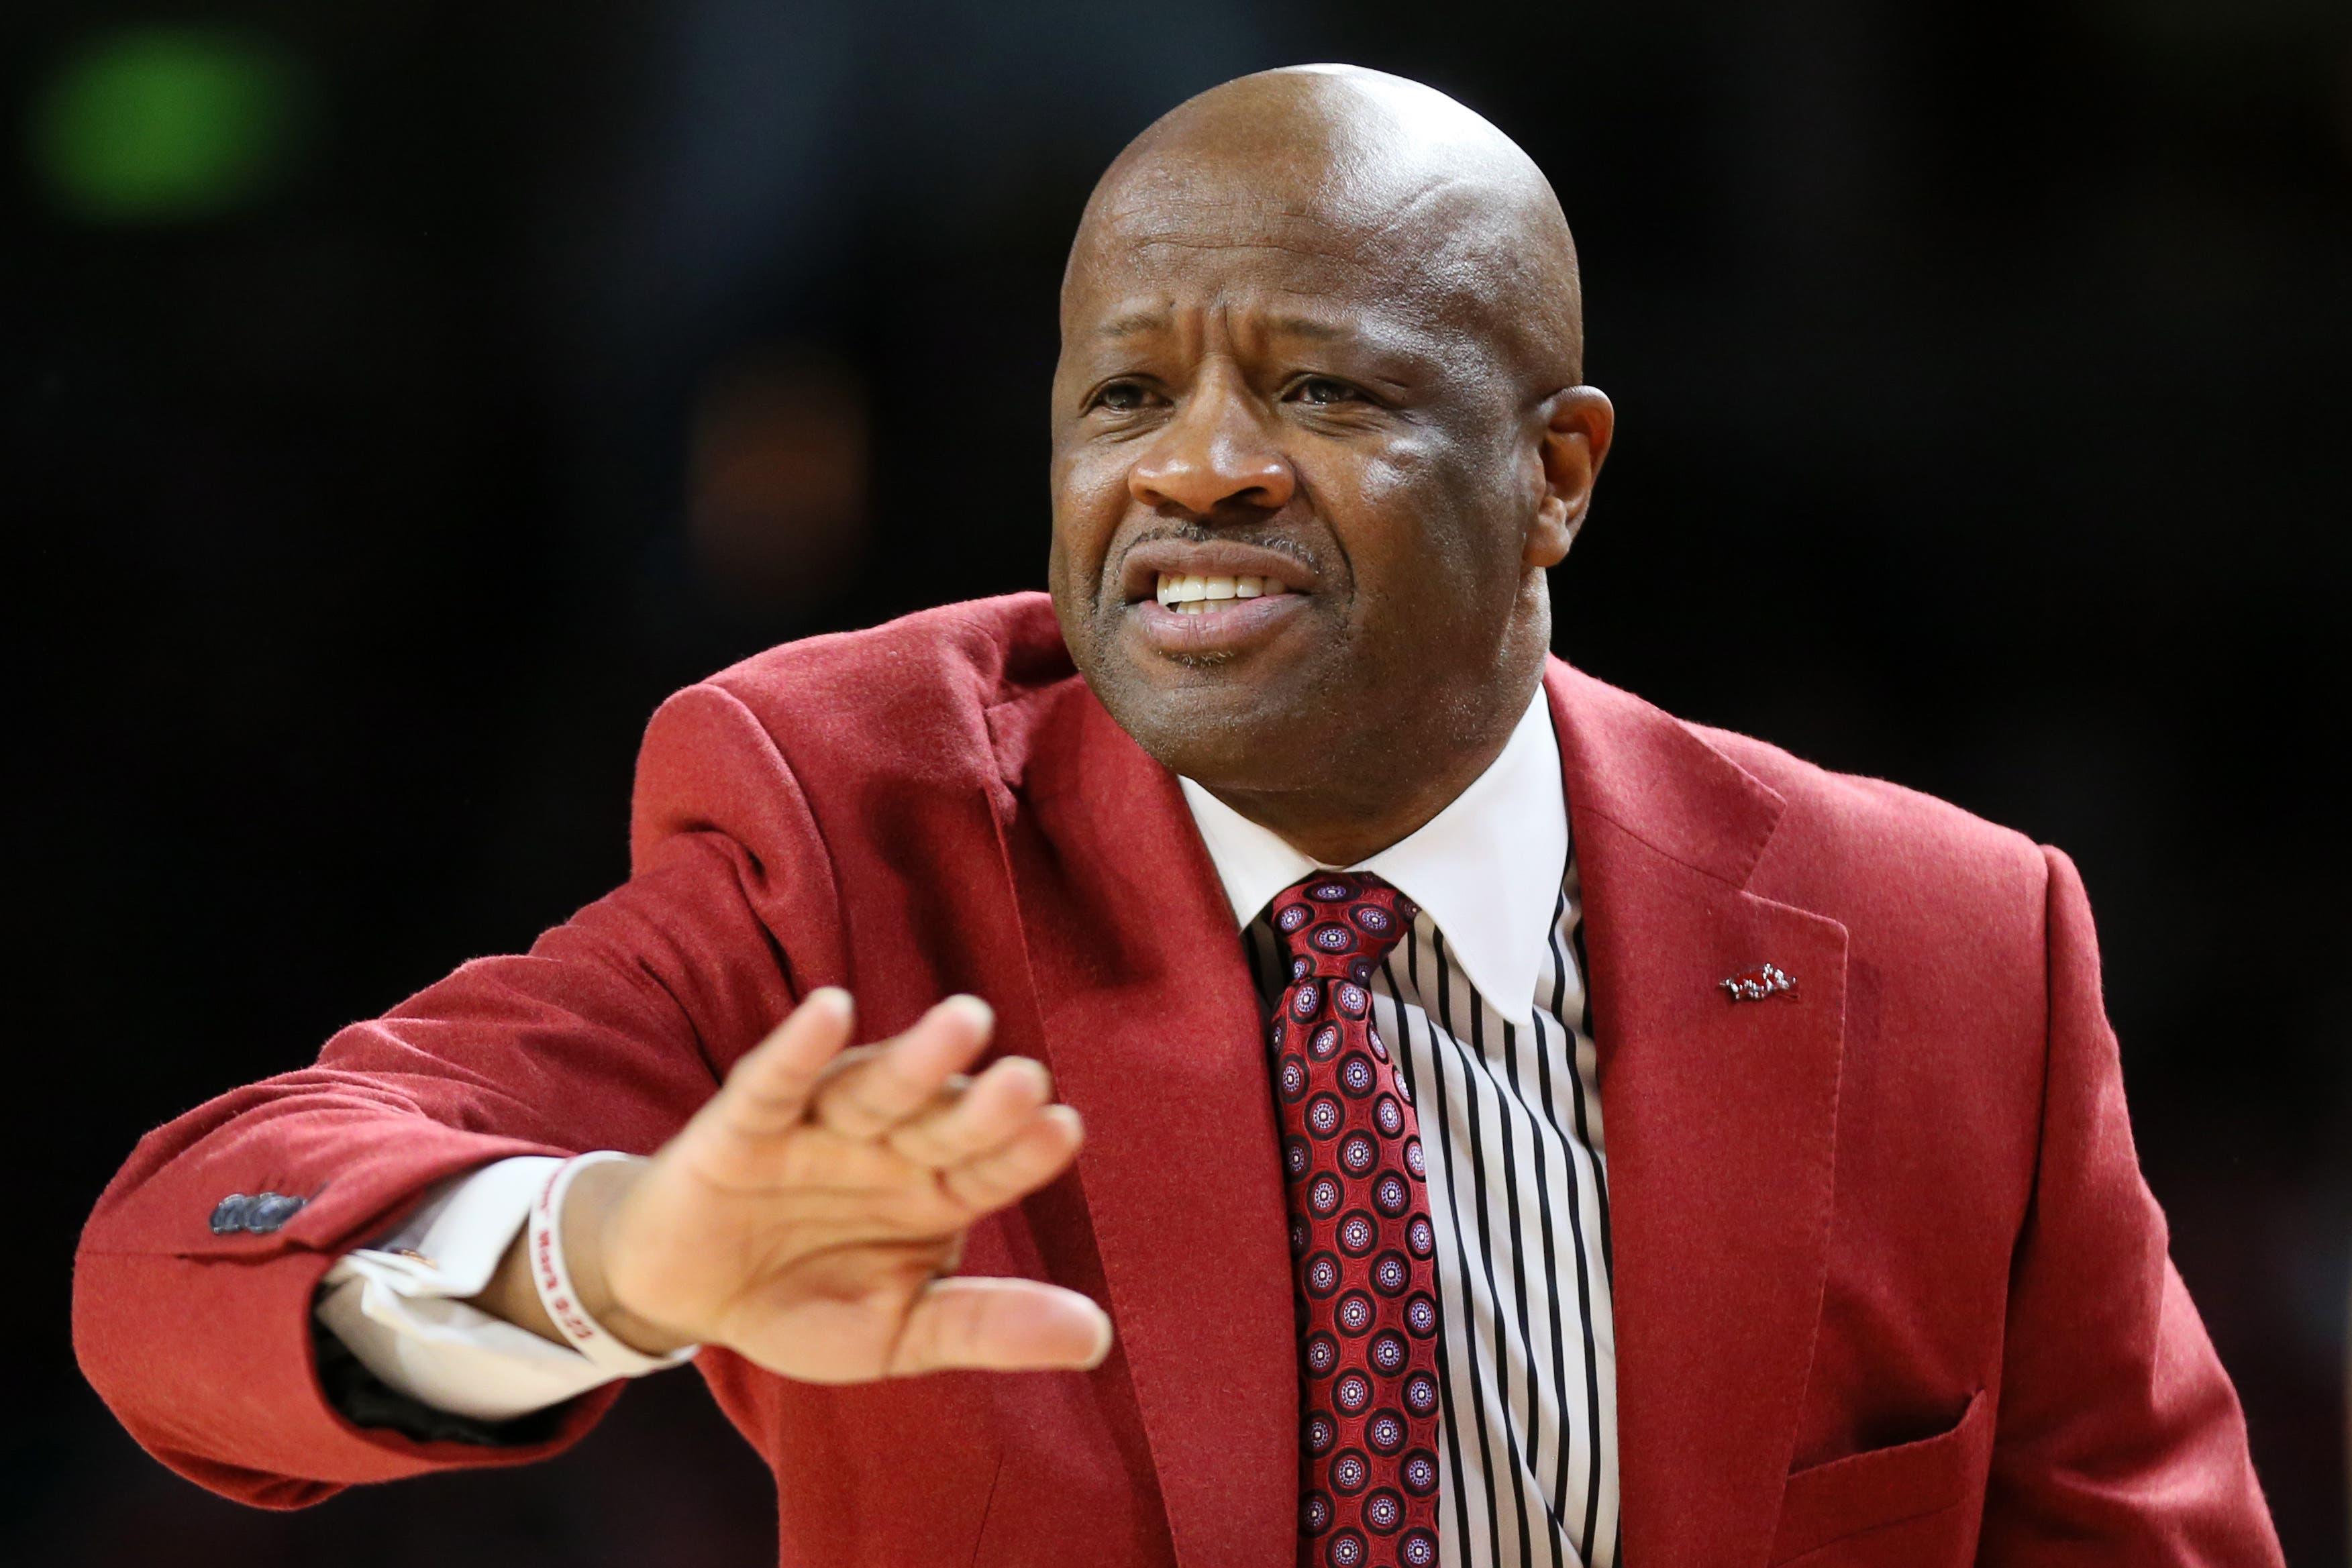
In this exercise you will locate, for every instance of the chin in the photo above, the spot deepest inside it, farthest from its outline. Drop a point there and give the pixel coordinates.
(1221, 735)
(1257, 716)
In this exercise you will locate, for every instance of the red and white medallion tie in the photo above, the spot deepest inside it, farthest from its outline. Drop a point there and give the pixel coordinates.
(1360, 1243)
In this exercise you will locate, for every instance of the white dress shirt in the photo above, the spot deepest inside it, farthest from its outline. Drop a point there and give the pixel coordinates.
(1508, 1094)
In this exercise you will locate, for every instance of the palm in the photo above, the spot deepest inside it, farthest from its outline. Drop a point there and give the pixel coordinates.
(808, 1216)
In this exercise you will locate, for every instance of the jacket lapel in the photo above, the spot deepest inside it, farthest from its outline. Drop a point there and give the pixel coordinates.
(1152, 1028)
(1720, 1120)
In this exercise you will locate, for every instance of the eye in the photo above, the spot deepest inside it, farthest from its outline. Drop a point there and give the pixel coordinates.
(1324, 391)
(1123, 397)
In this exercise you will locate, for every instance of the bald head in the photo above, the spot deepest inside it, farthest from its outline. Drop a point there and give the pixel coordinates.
(1358, 170)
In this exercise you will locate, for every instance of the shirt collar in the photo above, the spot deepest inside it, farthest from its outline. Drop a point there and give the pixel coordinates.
(1487, 869)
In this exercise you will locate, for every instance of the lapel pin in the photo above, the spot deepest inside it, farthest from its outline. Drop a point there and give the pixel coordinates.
(1755, 985)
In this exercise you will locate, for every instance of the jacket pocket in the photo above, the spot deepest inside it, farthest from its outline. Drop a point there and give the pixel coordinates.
(1880, 1488)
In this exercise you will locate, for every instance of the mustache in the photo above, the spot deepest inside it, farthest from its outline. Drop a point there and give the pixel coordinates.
(1202, 533)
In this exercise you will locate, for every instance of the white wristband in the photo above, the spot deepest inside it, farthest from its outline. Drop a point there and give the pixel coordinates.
(553, 1277)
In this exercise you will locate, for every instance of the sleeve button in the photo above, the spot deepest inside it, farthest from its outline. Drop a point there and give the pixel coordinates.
(228, 1215)
(269, 1210)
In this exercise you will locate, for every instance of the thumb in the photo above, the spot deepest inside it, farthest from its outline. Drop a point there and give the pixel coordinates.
(1001, 1326)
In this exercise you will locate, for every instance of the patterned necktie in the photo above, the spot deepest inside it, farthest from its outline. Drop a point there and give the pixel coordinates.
(1360, 1241)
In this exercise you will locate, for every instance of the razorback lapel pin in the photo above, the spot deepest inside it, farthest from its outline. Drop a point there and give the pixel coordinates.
(1755, 985)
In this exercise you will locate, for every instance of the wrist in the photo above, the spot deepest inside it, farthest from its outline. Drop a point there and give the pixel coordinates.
(591, 1202)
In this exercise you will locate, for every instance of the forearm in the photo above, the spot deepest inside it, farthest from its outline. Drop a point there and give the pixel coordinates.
(400, 1307)
(408, 1334)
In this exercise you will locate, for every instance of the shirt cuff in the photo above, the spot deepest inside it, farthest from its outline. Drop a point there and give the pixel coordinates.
(398, 1305)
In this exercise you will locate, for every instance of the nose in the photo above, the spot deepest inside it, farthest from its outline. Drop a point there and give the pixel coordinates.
(1215, 454)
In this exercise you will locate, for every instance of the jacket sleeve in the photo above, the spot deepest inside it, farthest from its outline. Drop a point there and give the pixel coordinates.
(195, 1322)
(2120, 1439)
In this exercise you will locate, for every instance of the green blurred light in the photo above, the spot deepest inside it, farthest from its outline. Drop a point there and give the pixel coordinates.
(162, 125)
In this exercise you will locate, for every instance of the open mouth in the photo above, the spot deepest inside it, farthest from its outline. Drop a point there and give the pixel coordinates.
(1204, 601)
(1194, 595)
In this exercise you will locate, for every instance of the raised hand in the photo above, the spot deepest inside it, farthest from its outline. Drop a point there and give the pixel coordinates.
(810, 1215)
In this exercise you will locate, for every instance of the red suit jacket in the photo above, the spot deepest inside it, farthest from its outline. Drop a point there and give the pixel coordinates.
(1889, 1289)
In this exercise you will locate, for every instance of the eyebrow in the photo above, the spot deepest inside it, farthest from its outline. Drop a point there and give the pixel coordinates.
(1133, 324)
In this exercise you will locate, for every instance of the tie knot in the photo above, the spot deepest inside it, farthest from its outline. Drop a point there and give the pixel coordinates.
(1339, 924)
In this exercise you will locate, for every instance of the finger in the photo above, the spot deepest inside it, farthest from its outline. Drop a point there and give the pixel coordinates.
(858, 1057)
(1001, 1326)
(953, 1128)
(866, 1099)
(767, 1090)
(1042, 1151)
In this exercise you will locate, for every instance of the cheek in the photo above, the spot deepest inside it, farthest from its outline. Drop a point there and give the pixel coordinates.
(1420, 514)
(1376, 500)
(1393, 482)
(1089, 495)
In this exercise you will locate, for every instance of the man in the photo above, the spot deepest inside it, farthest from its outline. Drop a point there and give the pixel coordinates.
(1607, 1135)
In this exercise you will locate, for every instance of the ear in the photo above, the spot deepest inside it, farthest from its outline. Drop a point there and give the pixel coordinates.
(1576, 425)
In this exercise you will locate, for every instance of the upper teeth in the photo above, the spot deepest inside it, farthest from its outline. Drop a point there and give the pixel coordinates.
(1192, 594)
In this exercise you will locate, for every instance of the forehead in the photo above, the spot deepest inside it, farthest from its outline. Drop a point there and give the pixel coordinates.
(1315, 248)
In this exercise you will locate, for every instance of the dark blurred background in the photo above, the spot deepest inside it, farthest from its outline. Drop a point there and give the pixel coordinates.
(402, 398)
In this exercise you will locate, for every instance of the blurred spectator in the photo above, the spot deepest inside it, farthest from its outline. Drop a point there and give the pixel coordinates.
(776, 492)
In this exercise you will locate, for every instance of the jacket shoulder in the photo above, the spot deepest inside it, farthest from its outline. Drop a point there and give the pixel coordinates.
(1870, 835)
(911, 694)
(1947, 921)
(766, 749)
